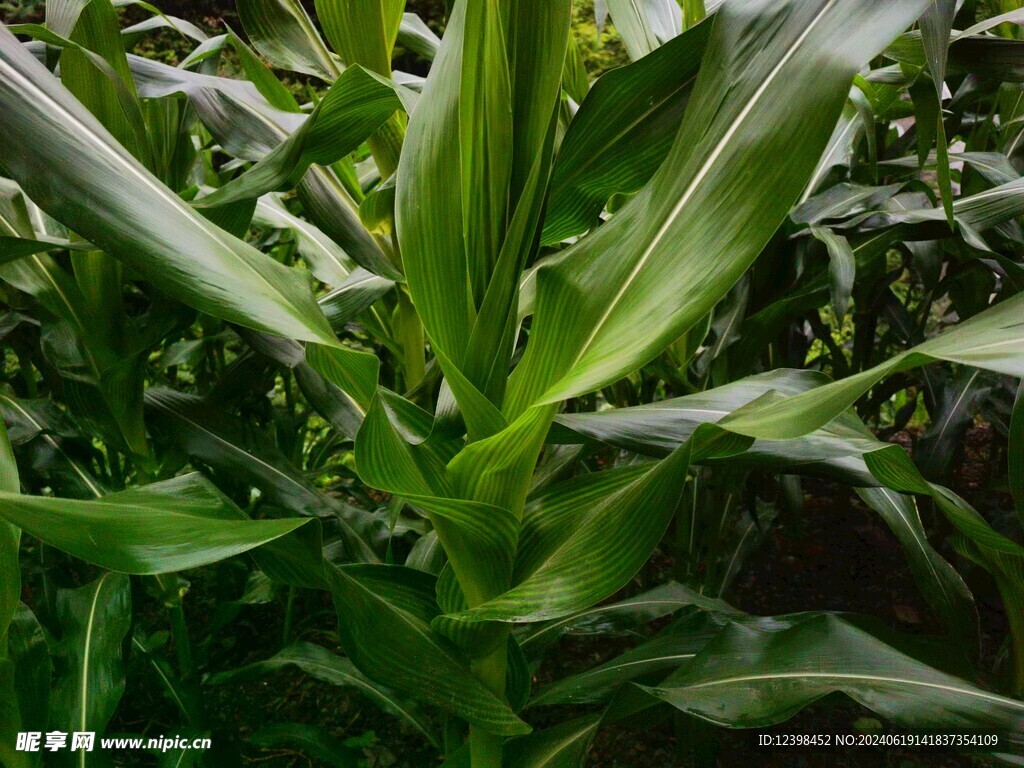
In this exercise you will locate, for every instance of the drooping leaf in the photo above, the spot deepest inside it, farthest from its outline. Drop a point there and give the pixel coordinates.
(751, 677)
(142, 223)
(318, 662)
(174, 525)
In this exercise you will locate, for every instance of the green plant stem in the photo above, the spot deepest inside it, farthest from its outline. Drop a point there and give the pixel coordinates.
(289, 612)
(485, 747)
(182, 642)
(386, 145)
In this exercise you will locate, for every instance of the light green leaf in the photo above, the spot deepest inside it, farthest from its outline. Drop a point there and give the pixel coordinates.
(164, 527)
(598, 317)
(283, 32)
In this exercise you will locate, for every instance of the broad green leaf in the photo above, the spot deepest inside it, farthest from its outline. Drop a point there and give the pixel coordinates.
(88, 352)
(231, 445)
(318, 662)
(674, 256)
(326, 259)
(561, 746)
(94, 621)
(370, 626)
(363, 32)
(415, 35)
(283, 32)
(976, 540)
(937, 580)
(32, 419)
(658, 428)
(650, 661)
(352, 371)
(616, 618)
(33, 667)
(990, 340)
(472, 177)
(165, 527)
(622, 133)
(842, 268)
(249, 127)
(750, 677)
(959, 398)
(272, 89)
(110, 94)
(120, 207)
(632, 23)
(609, 546)
(355, 106)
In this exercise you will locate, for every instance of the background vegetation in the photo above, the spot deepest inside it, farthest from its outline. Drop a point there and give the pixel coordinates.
(135, 389)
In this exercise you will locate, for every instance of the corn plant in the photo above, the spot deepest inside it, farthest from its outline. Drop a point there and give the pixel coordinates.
(464, 351)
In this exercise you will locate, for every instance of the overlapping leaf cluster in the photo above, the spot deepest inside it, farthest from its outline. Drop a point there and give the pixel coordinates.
(464, 351)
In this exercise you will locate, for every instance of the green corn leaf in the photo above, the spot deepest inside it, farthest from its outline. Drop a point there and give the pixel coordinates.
(357, 104)
(632, 22)
(750, 677)
(671, 263)
(272, 89)
(649, 662)
(842, 268)
(249, 127)
(937, 580)
(561, 746)
(142, 222)
(602, 553)
(658, 428)
(371, 626)
(617, 618)
(193, 523)
(232, 446)
(989, 340)
(326, 259)
(976, 539)
(25, 674)
(32, 419)
(481, 140)
(318, 662)
(352, 371)
(283, 32)
(94, 621)
(363, 32)
(414, 34)
(622, 133)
